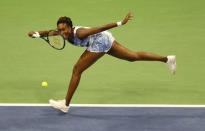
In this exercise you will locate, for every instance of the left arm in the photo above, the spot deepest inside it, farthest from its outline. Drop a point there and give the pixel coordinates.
(85, 32)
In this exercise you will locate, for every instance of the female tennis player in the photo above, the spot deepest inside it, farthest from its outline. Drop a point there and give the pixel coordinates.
(98, 42)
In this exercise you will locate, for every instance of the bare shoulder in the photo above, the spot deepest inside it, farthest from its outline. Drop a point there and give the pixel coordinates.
(80, 31)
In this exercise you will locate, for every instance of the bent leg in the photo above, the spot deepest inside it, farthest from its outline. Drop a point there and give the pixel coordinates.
(85, 61)
(121, 52)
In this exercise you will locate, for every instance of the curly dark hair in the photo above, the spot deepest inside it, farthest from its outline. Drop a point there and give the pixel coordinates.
(66, 20)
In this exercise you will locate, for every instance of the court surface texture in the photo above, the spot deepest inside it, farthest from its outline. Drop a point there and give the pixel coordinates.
(31, 117)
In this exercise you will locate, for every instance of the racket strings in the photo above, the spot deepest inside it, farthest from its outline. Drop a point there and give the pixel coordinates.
(56, 41)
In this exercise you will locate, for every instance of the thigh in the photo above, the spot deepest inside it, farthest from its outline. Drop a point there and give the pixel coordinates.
(87, 59)
(119, 51)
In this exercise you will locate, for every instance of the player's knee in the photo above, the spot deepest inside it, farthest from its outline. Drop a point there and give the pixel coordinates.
(141, 55)
(134, 57)
(131, 59)
(77, 70)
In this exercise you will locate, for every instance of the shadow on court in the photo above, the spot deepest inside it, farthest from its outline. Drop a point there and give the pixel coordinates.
(14, 118)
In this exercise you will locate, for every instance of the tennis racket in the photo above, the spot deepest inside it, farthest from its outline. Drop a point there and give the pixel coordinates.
(54, 39)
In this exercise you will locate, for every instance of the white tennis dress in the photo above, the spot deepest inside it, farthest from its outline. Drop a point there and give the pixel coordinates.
(99, 42)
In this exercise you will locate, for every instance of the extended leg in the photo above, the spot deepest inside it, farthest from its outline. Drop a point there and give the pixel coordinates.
(121, 52)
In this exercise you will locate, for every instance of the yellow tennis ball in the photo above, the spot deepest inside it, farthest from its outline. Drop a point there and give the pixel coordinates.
(44, 84)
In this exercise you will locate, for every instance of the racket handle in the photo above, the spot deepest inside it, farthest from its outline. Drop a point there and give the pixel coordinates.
(36, 35)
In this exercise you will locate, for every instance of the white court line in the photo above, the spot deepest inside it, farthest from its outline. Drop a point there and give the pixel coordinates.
(107, 105)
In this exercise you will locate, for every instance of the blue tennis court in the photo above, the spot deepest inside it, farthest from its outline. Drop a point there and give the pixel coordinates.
(44, 118)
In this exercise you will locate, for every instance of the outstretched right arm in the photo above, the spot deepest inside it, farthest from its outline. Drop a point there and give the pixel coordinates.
(34, 34)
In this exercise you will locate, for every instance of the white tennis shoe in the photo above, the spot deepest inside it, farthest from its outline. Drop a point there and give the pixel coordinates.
(59, 104)
(171, 62)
